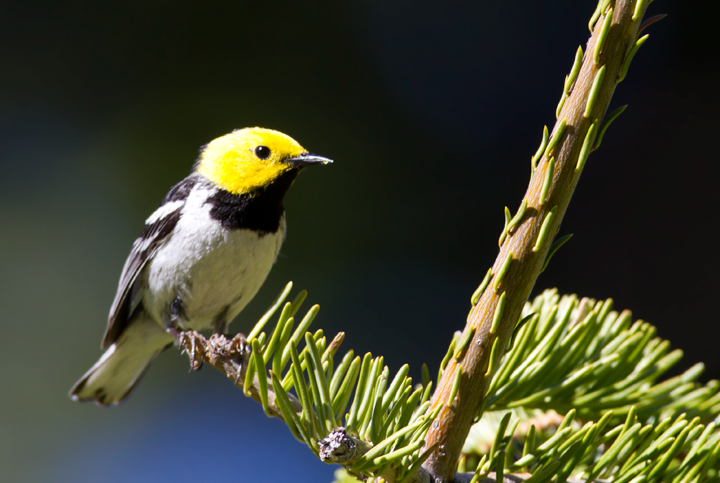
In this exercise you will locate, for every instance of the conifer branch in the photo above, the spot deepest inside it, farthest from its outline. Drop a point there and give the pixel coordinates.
(569, 352)
(524, 249)
(380, 435)
(581, 355)
(669, 449)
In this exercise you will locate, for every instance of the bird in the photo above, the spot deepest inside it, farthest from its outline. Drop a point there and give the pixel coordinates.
(201, 256)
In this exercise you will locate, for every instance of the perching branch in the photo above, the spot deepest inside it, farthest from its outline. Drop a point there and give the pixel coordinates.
(527, 238)
(570, 347)
(381, 434)
(231, 358)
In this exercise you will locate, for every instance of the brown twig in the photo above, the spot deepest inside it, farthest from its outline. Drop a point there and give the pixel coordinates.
(524, 250)
(229, 356)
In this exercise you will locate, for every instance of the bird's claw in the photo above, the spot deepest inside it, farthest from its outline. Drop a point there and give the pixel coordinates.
(193, 344)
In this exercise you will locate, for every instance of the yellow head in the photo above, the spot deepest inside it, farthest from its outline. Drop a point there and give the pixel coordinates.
(252, 158)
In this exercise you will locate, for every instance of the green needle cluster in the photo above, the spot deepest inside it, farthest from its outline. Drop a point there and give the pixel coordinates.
(581, 354)
(295, 370)
(672, 450)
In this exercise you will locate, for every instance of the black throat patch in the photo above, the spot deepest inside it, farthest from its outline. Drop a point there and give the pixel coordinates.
(260, 211)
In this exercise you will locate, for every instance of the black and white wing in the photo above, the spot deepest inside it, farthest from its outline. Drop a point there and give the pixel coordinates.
(156, 230)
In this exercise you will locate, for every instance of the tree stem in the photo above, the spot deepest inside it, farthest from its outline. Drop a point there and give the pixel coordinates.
(524, 250)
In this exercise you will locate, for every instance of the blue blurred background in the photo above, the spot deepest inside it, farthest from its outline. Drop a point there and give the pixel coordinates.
(431, 110)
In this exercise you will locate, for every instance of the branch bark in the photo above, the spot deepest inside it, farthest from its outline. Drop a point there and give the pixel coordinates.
(229, 356)
(524, 250)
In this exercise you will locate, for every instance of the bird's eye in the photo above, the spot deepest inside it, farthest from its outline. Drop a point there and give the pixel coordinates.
(262, 152)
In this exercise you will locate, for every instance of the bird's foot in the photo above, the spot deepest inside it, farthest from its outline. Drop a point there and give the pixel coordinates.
(235, 348)
(230, 355)
(230, 346)
(194, 344)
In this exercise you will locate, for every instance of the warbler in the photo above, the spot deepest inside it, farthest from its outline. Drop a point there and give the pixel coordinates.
(201, 256)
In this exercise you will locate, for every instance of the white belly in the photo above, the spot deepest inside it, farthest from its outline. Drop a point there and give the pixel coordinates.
(220, 272)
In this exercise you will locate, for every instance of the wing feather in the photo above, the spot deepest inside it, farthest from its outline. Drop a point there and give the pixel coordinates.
(157, 229)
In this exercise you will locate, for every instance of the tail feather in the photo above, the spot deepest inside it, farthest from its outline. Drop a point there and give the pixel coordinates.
(123, 364)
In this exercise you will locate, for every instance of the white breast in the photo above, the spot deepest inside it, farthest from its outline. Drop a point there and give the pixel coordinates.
(215, 272)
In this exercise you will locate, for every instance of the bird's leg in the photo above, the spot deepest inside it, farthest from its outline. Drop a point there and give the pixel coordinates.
(173, 332)
(172, 317)
(171, 321)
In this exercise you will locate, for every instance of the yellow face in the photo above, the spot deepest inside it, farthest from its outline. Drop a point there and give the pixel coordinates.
(248, 159)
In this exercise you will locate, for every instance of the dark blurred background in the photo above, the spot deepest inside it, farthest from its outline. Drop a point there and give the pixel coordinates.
(431, 110)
